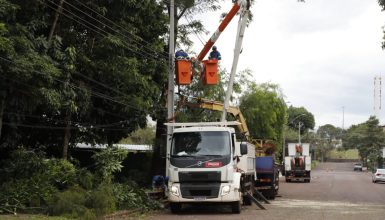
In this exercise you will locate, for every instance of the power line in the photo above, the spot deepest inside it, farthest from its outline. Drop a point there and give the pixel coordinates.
(114, 23)
(111, 22)
(59, 128)
(48, 119)
(106, 34)
(95, 94)
(195, 32)
(109, 27)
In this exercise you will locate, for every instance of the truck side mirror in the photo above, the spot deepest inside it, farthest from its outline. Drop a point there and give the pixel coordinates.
(243, 148)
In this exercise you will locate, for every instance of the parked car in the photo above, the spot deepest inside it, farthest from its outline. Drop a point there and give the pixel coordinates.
(379, 176)
(357, 167)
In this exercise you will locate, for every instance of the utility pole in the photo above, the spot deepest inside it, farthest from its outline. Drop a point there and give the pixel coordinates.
(299, 132)
(171, 85)
(343, 117)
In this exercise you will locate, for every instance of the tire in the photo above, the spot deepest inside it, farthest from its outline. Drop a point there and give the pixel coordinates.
(246, 201)
(288, 180)
(175, 207)
(236, 207)
(307, 180)
(270, 194)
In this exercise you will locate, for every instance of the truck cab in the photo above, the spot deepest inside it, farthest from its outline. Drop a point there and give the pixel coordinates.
(208, 164)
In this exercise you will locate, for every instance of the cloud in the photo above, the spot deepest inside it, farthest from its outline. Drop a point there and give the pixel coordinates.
(323, 53)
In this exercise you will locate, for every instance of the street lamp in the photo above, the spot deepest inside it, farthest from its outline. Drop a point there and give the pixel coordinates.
(299, 126)
(299, 134)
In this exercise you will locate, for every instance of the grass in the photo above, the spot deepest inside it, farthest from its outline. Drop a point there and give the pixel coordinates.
(31, 217)
(343, 154)
(314, 164)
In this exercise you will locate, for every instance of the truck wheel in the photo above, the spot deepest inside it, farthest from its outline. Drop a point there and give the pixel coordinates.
(175, 207)
(236, 207)
(246, 200)
(307, 180)
(288, 180)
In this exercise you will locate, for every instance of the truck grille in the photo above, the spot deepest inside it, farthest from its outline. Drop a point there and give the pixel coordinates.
(191, 190)
(211, 176)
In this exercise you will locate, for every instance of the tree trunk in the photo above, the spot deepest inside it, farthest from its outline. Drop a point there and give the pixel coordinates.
(158, 166)
(58, 11)
(67, 136)
(2, 107)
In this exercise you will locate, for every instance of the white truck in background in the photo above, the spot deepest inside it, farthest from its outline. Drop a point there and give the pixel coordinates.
(208, 163)
(298, 163)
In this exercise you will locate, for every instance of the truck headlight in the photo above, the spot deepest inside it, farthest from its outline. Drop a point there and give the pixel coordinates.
(225, 190)
(174, 190)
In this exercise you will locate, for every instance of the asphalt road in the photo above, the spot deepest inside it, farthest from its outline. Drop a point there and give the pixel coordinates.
(335, 192)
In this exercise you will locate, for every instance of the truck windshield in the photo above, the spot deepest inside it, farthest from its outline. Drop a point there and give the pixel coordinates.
(200, 143)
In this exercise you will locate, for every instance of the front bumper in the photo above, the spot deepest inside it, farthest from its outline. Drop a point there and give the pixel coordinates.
(379, 179)
(232, 196)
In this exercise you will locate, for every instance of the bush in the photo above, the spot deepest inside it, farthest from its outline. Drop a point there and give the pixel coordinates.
(131, 196)
(102, 200)
(71, 203)
(30, 180)
(85, 179)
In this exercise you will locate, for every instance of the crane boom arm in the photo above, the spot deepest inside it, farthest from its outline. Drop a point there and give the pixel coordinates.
(237, 5)
(218, 106)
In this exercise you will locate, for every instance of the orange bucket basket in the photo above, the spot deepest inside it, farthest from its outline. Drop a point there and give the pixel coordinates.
(210, 76)
(183, 72)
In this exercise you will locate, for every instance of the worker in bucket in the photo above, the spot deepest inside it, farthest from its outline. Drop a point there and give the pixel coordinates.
(214, 54)
(181, 55)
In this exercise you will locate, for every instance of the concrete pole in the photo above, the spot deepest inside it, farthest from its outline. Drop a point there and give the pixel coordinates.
(299, 132)
(171, 84)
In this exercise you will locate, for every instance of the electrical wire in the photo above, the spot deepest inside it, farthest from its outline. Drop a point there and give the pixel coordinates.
(195, 32)
(111, 22)
(113, 124)
(127, 31)
(60, 128)
(91, 26)
(95, 94)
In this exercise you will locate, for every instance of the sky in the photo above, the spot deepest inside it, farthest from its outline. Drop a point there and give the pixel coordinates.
(324, 54)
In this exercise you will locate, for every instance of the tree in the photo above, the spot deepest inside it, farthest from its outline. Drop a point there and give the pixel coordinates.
(329, 131)
(299, 116)
(368, 138)
(382, 4)
(264, 109)
(141, 136)
(188, 9)
(82, 85)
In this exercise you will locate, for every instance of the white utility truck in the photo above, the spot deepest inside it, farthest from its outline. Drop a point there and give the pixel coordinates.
(209, 163)
(298, 163)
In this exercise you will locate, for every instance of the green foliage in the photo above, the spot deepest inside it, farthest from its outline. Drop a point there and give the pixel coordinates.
(299, 116)
(343, 154)
(102, 200)
(85, 179)
(130, 196)
(141, 136)
(264, 109)
(109, 161)
(330, 132)
(368, 138)
(83, 77)
(31, 180)
(71, 203)
(382, 4)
